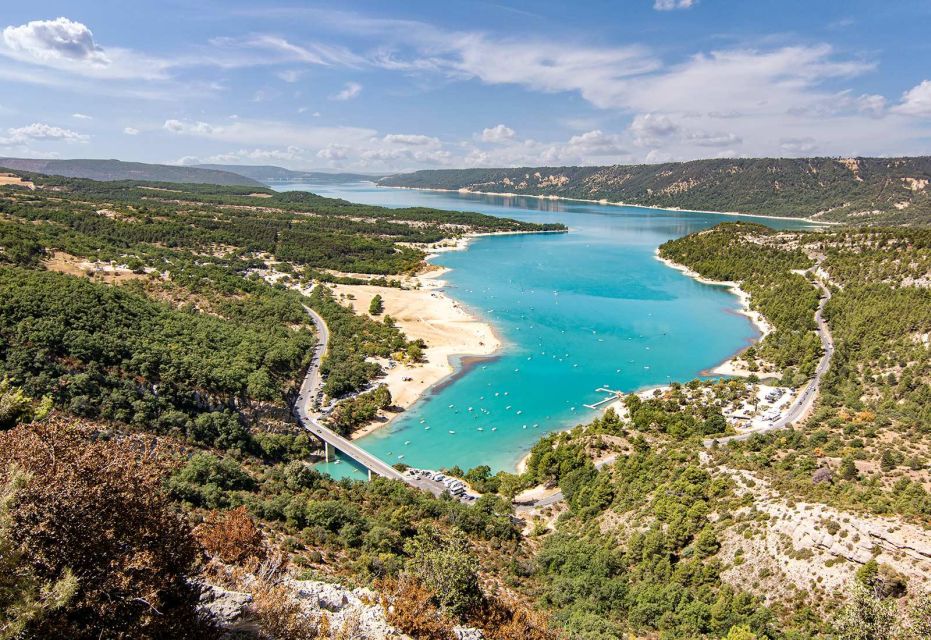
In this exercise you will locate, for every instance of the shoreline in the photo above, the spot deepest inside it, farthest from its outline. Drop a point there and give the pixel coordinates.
(606, 202)
(454, 334)
(617, 404)
(759, 322)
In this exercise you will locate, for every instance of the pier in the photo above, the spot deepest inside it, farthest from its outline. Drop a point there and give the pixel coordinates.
(613, 395)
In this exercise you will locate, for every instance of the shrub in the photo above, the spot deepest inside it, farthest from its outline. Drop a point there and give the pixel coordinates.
(96, 509)
(411, 607)
(230, 536)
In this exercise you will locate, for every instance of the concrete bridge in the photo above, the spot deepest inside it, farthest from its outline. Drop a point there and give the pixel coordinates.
(311, 389)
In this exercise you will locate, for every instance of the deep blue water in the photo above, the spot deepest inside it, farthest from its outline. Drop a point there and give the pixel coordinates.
(591, 308)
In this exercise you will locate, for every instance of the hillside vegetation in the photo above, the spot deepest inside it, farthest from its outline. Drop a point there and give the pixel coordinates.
(119, 170)
(857, 190)
(270, 173)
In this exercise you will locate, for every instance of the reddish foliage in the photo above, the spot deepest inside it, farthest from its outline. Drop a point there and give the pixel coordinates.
(411, 607)
(231, 536)
(96, 507)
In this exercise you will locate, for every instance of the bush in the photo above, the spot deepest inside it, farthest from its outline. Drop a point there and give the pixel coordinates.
(376, 306)
(206, 480)
(230, 536)
(95, 509)
(411, 607)
(446, 569)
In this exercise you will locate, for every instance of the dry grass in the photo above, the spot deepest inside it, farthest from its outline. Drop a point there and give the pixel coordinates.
(16, 180)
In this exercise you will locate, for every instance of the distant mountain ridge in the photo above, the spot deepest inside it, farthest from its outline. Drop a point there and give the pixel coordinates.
(109, 170)
(271, 173)
(856, 190)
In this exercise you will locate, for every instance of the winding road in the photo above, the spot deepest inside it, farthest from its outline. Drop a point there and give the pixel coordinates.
(803, 403)
(309, 417)
(799, 408)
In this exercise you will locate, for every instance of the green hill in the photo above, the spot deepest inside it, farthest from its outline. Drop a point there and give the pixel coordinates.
(270, 173)
(119, 170)
(862, 190)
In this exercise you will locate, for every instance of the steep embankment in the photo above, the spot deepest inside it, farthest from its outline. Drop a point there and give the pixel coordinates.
(873, 190)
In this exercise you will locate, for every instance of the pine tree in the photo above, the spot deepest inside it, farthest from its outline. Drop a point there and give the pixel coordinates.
(848, 470)
(377, 305)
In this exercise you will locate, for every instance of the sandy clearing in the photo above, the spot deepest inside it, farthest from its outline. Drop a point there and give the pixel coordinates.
(16, 180)
(72, 265)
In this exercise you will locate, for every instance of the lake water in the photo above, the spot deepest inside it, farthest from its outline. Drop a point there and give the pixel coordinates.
(575, 312)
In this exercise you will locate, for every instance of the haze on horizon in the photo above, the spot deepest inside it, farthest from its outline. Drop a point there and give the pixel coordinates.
(365, 86)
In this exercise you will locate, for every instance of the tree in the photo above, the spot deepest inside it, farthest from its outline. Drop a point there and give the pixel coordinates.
(848, 470)
(377, 305)
(24, 598)
(887, 461)
(866, 617)
(740, 632)
(16, 406)
(415, 352)
(446, 569)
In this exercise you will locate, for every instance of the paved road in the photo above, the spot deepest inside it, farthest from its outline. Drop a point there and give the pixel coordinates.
(309, 418)
(802, 404)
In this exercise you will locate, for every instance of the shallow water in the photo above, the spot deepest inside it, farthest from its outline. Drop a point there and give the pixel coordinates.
(578, 311)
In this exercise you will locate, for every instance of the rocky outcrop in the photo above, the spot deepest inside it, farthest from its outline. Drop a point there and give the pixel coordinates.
(349, 613)
(779, 546)
(355, 612)
(224, 607)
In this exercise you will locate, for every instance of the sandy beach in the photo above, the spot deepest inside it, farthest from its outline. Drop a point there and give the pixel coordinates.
(432, 316)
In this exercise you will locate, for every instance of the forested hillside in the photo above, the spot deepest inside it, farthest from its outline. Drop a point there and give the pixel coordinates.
(119, 170)
(271, 173)
(856, 190)
(872, 425)
(194, 341)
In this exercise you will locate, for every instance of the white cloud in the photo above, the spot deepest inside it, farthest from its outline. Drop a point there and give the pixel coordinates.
(651, 128)
(131, 131)
(350, 91)
(598, 74)
(798, 145)
(916, 101)
(498, 133)
(242, 131)
(290, 75)
(669, 5)
(411, 139)
(196, 128)
(871, 104)
(334, 152)
(38, 131)
(55, 40)
(276, 50)
(66, 45)
(287, 155)
(596, 143)
(81, 116)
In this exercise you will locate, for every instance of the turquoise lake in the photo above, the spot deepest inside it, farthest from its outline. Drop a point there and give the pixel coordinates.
(578, 311)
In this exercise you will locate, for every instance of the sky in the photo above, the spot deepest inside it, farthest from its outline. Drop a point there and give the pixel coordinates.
(380, 86)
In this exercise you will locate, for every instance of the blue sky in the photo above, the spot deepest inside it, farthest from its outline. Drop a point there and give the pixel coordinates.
(389, 86)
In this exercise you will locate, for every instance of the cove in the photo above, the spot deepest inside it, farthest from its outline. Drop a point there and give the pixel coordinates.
(575, 312)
